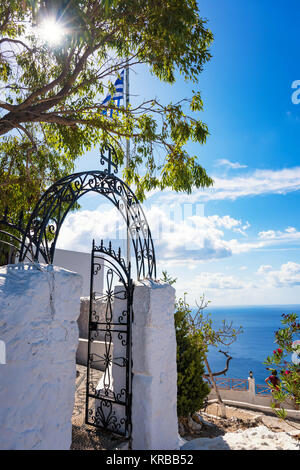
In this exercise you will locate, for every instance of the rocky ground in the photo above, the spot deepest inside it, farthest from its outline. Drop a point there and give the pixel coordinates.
(210, 424)
(256, 438)
(241, 429)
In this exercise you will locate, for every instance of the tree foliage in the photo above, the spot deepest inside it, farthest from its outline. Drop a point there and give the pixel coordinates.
(191, 388)
(51, 108)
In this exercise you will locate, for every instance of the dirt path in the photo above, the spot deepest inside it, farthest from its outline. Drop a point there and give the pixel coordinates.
(272, 422)
(238, 419)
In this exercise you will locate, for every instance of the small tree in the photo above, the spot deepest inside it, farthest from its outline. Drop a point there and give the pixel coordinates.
(201, 326)
(289, 375)
(191, 388)
(194, 335)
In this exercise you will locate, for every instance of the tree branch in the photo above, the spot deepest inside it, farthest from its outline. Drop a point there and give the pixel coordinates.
(28, 134)
(16, 41)
(46, 88)
(221, 372)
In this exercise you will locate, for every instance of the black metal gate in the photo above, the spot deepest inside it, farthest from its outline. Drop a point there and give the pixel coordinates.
(33, 238)
(108, 392)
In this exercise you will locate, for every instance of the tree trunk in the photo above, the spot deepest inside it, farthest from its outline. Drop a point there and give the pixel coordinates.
(222, 406)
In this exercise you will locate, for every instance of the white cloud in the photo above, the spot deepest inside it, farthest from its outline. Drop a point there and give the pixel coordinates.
(264, 269)
(229, 164)
(243, 268)
(212, 281)
(290, 234)
(199, 238)
(287, 276)
(194, 239)
(189, 264)
(181, 243)
(81, 227)
(259, 182)
(218, 287)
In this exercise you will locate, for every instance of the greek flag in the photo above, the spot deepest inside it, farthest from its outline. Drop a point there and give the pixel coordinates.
(117, 96)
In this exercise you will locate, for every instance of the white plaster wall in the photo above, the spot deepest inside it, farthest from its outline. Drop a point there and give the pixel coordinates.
(39, 306)
(154, 385)
(98, 345)
(80, 263)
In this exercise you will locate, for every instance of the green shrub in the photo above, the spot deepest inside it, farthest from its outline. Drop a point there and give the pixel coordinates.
(191, 388)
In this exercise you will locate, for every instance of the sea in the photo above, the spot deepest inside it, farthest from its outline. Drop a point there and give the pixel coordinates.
(252, 347)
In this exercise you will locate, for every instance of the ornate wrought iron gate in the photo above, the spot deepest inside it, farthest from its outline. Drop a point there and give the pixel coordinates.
(108, 392)
(34, 238)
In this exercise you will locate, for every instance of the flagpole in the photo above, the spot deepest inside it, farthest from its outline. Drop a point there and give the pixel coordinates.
(127, 158)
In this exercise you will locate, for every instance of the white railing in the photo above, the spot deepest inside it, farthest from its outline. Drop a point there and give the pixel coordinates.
(224, 383)
(245, 393)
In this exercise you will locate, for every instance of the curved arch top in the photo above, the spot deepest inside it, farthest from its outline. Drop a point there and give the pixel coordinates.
(51, 210)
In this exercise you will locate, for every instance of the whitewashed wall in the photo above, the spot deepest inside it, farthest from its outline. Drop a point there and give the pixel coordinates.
(39, 306)
(83, 324)
(154, 385)
(80, 263)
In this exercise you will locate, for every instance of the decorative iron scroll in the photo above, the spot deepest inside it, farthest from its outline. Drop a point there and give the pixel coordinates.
(108, 397)
(42, 230)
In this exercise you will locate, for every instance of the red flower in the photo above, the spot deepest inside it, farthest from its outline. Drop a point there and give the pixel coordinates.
(278, 352)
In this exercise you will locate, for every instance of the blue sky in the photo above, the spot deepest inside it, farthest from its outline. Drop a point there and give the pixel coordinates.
(239, 242)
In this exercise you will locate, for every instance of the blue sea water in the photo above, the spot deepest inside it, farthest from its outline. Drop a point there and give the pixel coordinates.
(254, 344)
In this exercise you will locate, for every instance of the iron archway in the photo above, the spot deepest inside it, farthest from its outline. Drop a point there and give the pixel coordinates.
(40, 235)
